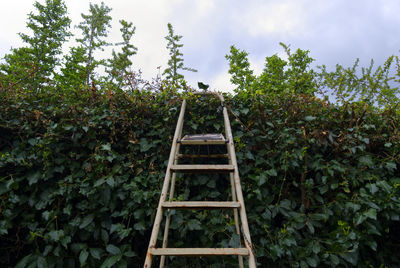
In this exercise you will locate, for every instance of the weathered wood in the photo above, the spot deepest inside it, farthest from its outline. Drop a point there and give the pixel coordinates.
(168, 217)
(238, 187)
(199, 251)
(203, 155)
(203, 139)
(203, 168)
(200, 204)
(237, 196)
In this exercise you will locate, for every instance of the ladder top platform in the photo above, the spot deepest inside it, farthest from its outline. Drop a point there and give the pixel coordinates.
(199, 139)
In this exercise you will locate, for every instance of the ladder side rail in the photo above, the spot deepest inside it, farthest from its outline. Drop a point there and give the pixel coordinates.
(235, 214)
(170, 197)
(158, 218)
(239, 194)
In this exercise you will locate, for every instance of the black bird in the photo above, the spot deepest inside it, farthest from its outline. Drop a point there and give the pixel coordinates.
(203, 86)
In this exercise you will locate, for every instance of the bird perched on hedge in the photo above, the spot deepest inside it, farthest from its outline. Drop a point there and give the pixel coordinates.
(203, 86)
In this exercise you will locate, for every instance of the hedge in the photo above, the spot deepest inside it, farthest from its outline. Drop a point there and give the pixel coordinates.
(80, 178)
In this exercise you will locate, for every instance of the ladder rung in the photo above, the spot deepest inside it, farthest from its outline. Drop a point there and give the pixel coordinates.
(202, 168)
(199, 251)
(201, 204)
(203, 139)
(203, 156)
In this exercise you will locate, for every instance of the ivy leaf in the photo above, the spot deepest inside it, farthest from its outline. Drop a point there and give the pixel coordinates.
(366, 161)
(41, 262)
(194, 225)
(86, 221)
(370, 213)
(385, 186)
(139, 226)
(106, 147)
(272, 172)
(33, 178)
(55, 235)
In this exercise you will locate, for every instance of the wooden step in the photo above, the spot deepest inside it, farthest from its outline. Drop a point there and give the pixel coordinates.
(203, 168)
(199, 251)
(203, 155)
(203, 139)
(201, 205)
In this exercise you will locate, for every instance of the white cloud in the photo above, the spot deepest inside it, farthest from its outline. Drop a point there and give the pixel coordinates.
(274, 17)
(221, 82)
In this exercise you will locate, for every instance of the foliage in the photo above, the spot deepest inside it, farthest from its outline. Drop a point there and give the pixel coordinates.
(33, 66)
(81, 175)
(118, 65)
(81, 171)
(94, 28)
(279, 77)
(73, 72)
(367, 85)
(239, 68)
(175, 62)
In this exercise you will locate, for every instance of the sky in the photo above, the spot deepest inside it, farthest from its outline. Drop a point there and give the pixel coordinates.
(334, 31)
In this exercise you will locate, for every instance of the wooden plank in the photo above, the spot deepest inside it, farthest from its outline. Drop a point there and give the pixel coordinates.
(199, 251)
(202, 168)
(201, 204)
(202, 155)
(203, 139)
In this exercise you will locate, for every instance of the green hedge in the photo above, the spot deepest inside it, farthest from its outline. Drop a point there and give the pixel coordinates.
(80, 178)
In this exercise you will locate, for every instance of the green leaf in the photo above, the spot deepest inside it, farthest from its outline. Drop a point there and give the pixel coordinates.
(83, 257)
(86, 221)
(104, 236)
(144, 145)
(110, 261)
(272, 172)
(106, 147)
(310, 118)
(366, 160)
(194, 225)
(351, 257)
(99, 182)
(385, 186)
(33, 178)
(113, 249)
(312, 262)
(55, 235)
(24, 261)
(310, 227)
(244, 110)
(370, 213)
(262, 179)
(334, 259)
(319, 216)
(96, 253)
(41, 262)
(110, 181)
(130, 254)
(139, 226)
(391, 166)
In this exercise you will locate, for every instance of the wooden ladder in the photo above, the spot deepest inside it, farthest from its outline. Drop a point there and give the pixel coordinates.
(237, 203)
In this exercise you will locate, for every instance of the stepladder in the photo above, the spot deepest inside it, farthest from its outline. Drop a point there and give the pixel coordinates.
(158, 251)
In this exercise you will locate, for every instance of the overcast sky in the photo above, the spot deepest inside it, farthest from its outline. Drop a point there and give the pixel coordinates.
(335, 31)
